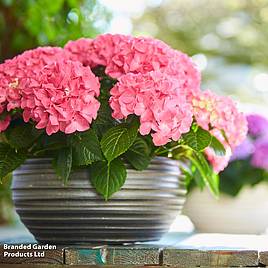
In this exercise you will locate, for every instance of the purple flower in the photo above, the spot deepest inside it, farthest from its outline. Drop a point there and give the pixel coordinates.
(260, 155)
(244, 150)
(257, 125)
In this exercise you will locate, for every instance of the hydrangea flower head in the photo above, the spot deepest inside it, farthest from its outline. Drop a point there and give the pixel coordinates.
(122, 54)
(220, 116)
(17, 73)
(62, 98)
(220, 113)
(159, 102)
(80, 50)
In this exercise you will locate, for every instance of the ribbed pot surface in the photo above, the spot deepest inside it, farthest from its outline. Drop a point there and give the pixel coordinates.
(75, 214)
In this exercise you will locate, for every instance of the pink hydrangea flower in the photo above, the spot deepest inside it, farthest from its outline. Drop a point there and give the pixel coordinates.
(106, 47)
(4, 123)
(122, 54)
(62, 98)
(98, 51)
(218, 112)
(158, 100)
(80, 50)
(138, 55)
(220, 115)
(17, 73)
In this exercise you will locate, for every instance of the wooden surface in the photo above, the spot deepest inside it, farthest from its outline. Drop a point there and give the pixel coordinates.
(174, 250)
(219, 258)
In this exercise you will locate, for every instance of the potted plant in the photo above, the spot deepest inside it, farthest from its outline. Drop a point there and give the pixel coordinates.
(243, 202)
(110, 113)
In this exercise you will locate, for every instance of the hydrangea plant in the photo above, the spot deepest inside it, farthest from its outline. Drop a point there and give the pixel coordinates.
(249, 162)
(100, 103)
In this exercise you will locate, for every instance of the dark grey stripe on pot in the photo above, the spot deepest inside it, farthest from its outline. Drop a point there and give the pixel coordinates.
(75, 214)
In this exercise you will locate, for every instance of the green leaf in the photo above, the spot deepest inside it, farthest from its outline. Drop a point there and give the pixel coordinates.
(86, 148)
(217, 146)
(138, 154)
(197, 140)
(108, 177)
(10, 159)
(210, 178)
(200, 182)
(22, 136)
(188, 175)
(117, 140)
(63, 164)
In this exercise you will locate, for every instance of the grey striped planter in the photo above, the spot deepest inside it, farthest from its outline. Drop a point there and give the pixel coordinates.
(75, 214)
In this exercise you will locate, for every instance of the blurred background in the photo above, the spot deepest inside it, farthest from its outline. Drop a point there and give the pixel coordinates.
(227, 39)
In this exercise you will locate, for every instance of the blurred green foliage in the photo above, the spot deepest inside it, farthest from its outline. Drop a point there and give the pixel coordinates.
(27, 24)
(235, 30)
(239, 174)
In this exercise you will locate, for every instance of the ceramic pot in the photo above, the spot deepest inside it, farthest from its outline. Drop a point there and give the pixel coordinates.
(142, 210)
(247, 213)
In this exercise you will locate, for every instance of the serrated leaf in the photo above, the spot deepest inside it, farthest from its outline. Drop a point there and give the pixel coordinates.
(138, 154)
(197, 140)
(10, 159)
(63, 164)
(217, 146)
(117, 140)
(22, 136)
(86, 148)
(107, 177)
